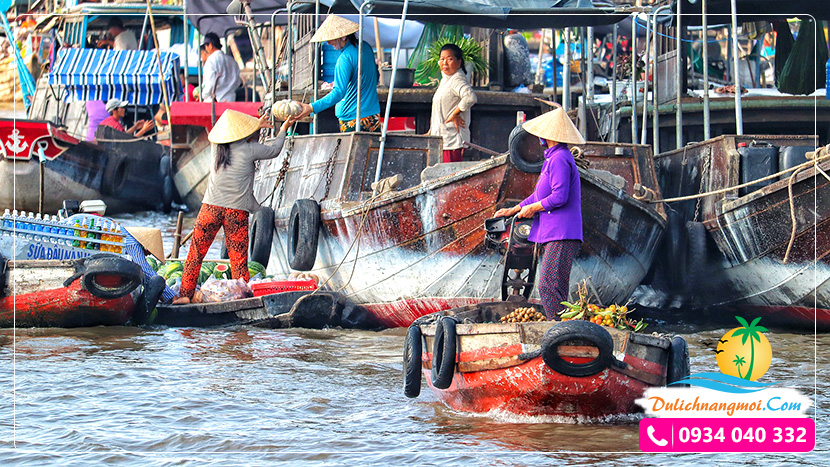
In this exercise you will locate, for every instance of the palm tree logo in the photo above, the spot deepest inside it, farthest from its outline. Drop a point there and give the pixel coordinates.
(739, 362)
(745, 343)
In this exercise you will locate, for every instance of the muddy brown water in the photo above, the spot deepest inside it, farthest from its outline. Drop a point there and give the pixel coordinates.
(249, 396)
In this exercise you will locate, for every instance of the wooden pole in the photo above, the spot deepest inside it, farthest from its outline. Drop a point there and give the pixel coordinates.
(177, 237)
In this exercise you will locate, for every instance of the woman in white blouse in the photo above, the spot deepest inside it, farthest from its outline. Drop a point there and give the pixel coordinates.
(451, 104)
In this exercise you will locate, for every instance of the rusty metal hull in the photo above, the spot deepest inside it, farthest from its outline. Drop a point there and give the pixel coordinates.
(743, 269)
(499, 368)
(408, 253)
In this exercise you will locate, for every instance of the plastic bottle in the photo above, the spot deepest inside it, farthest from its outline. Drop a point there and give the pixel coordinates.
(77, 233)
(6, 218)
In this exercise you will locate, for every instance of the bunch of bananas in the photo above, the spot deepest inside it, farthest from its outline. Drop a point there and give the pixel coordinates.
(523, 315)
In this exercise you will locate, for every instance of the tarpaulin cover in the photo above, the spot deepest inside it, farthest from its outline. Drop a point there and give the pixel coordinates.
(130, 75)
(804, 71)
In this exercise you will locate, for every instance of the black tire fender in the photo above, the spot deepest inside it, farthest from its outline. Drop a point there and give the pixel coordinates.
(525, 151)
(168, 187)
(577, 330)
(110, 265)
(675, 246)
(678, 363)
(115, 175)
(4, 266)
(303, 233)
(696, 255)
(261, 234)
(412, 362)
(443, 353)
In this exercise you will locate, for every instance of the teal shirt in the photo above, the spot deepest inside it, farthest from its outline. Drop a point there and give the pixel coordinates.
(344, 94)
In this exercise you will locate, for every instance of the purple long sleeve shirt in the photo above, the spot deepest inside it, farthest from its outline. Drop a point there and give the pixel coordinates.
(558, 189)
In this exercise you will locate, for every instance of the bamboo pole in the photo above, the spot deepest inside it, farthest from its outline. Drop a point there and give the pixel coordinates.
(177, 237)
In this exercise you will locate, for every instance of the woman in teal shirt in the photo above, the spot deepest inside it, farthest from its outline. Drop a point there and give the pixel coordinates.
(340, 34)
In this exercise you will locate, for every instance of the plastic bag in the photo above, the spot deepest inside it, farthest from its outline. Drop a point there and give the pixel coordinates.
(223, 290)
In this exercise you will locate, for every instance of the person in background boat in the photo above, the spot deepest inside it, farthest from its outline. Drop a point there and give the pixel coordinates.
(138, 243)
(117, 110)
(229, 196)
(339, 33)
(451, 104)
(122, 39)
(555, 206)
(220, 76)
(161, 116)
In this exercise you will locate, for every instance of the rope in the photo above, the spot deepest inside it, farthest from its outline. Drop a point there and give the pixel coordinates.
(743, 185)
(792, 214)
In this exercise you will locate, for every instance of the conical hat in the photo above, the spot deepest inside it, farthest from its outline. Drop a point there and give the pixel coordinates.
(233, 126)
(150, 239)
(334, 27)
(554, 126)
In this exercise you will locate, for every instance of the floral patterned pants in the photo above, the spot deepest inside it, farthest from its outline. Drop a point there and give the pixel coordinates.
(555, 275)
(370, 123)
(210, 219)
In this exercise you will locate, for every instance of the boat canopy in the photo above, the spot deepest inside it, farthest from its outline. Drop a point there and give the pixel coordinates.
(130, 75)
(496, 14)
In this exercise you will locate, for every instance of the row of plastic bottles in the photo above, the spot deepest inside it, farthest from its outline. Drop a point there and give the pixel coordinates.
(55, 230)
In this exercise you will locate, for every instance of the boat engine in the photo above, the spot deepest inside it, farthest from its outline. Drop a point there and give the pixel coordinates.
(508, 236)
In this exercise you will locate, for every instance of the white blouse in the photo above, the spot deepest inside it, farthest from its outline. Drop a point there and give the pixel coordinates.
(453, 91)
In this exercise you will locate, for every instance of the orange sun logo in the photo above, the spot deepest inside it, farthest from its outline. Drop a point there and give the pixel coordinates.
(744, 352)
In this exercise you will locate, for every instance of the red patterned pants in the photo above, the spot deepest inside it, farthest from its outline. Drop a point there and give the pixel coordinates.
(235, 223)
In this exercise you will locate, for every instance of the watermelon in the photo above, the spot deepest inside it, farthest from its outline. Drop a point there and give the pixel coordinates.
(209, 265)
(255, 268)
(153, 263)
(222, 271)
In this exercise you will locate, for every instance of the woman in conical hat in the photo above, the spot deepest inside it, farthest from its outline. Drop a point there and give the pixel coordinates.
(229, 197)
(340, 33)
(555, 206)
(139, 242)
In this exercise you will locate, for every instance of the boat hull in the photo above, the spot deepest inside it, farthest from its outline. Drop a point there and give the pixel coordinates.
(500, 366)
(412, 252)
(745, 267)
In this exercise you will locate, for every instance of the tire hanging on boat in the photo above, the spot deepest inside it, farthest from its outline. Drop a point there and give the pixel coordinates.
(412, 362)
(261, 235)
(678, 364)
(577, 330)
(110, 276)
(443, 353)
(4, 266)
(115, 175)
(168, 187)
(695, 255)
(303, 231)
(525, 152)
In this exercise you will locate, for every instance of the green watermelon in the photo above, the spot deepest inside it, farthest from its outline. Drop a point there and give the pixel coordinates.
(255, 268)
(209, 265)
(153, 263)
(222, 271)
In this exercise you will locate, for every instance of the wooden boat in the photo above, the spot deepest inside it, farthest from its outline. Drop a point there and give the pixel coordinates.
(280, 310)
(728, 253)
(474, 363)
(126, 176)
(422, 248)
(100, 290)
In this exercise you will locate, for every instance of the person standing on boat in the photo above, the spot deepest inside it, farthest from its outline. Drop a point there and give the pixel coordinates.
(451, 104)
(117, 110)
(221, 73)
(122, 39)
(555, 206)
(340, 33)
(229, 196)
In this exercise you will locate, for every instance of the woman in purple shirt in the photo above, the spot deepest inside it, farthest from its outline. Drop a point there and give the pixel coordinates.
(556, 200)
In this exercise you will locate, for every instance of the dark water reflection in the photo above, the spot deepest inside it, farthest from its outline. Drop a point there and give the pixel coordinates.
(247, 396)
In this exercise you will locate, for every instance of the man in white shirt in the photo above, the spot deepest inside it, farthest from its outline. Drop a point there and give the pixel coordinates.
(122, 39)
(221, 74)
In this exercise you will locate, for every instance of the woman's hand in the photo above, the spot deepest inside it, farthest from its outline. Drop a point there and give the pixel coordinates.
(264, 122)
(307, 109)
(507, 212)
(287, 124)
(456, 119)
(530, 210)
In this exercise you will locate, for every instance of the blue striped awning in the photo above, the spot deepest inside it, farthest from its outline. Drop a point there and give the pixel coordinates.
(130, 75)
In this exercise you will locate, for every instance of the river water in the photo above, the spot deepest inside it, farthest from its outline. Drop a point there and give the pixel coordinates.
(248, 396)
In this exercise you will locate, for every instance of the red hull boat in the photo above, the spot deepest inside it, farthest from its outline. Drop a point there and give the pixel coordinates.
(569, 368)
(97, 291)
